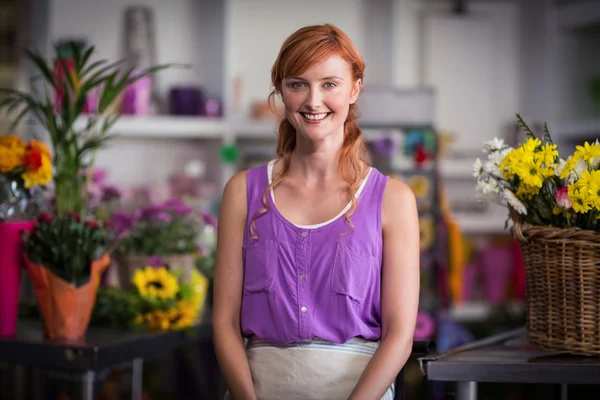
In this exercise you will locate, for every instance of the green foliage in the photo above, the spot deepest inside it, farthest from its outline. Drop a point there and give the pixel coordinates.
(67, 245)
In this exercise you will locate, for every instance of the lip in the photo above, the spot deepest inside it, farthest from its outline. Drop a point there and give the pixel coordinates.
(315, 122)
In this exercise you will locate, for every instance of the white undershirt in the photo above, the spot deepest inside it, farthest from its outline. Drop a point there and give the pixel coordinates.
(358, 192)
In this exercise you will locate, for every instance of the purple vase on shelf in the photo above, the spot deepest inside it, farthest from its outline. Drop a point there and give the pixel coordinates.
(185, 101)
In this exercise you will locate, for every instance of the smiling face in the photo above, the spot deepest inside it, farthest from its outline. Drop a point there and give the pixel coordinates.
(317, 101)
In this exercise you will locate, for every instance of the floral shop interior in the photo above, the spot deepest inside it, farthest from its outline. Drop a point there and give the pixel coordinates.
(121, 122)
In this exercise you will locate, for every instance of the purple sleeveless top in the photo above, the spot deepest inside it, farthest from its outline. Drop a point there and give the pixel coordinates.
(307, 282)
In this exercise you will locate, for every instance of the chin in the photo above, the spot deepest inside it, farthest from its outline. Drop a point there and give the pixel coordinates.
(317, 129)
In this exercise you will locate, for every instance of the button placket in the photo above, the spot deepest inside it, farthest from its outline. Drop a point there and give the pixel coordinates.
(302, 262)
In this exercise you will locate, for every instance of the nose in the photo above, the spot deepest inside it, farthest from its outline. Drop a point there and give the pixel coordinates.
(314, 99)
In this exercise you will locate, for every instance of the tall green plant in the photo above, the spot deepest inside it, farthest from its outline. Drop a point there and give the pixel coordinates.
(74, 145)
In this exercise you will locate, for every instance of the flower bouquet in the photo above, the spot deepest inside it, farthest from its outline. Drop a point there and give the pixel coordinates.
(65, 256)
(554, 204)
(157, 300)
(169, 230)
(24, 167)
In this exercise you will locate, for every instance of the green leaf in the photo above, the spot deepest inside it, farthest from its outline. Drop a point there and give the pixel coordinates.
(84, 59)
(41, 64)
(528, 131)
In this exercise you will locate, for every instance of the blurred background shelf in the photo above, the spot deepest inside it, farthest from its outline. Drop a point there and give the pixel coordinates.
(167, 127)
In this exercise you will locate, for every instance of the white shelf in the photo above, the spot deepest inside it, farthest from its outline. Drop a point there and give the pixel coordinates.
(167, 127)
(578, 15)
(577, 129)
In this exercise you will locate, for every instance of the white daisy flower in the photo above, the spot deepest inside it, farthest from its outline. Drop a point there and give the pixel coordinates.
(514, 202)
(491, 146)
(477, 168)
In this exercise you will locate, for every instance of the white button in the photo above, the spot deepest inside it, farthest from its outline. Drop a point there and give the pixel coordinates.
(303, 277)
(303, 309)
(303, 234)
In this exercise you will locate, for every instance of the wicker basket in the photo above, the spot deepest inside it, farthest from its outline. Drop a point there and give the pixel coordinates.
(562, 268)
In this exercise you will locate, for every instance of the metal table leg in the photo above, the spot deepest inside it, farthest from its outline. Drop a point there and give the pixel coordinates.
(88, 385)
(466, 390)
(137, 379)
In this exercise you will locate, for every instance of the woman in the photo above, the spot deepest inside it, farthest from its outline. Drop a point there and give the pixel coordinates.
(318, 252)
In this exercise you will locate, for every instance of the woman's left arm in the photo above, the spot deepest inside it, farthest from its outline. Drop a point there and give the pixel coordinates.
(399, 291)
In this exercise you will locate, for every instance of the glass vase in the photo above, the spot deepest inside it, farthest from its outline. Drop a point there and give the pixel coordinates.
(17, 203)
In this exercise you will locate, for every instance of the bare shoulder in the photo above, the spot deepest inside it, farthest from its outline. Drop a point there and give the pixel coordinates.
(398, 195)
(234, 195)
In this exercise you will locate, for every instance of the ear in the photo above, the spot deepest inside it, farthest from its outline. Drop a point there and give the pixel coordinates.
(355, 91)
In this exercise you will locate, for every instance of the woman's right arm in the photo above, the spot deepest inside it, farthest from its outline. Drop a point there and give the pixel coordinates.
(228, 288)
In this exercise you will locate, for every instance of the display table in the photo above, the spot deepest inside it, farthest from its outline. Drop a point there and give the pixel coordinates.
(507, 357)
(100, 350)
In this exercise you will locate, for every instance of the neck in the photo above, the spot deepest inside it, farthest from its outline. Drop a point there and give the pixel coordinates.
(317, 160)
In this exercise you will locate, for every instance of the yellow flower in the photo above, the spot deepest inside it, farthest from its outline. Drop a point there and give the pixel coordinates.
(12, 142)
(39, 146)
(531, 145)
(594, 189)
(183, 315)
(587, 152)
(578, 193)
(156, 283)
(532, 173)
(40, 176)
(12, 150)
(549, 154)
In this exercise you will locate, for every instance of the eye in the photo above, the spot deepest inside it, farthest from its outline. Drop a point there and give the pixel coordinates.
(295, 85)
(330, 85)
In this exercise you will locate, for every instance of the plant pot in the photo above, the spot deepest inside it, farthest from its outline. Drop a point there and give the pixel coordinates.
(64, 308)
(11, 263)
(185, 263)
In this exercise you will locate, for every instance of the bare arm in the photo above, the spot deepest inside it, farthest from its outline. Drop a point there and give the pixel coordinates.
(400, 291)
(228, 288)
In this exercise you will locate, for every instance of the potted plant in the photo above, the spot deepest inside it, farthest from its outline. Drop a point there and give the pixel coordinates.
(65, 92)
(554, 205)
(24, 167)
(169, 230)
(65, 256)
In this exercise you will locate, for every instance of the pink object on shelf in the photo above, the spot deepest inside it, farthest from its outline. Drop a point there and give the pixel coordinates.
(497, 268)
(469, 280)
(138, 97)
(11, 263)
(425, 326)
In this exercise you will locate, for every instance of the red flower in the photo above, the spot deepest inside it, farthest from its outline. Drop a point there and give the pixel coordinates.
(44, 217)
(92, 224)
(32, 160)
(74, 216)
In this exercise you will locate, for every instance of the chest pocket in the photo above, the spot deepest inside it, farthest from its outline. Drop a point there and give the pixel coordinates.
(352, 273)
(260, 266)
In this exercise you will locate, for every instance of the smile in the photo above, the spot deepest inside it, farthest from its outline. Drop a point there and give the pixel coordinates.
(314, 117)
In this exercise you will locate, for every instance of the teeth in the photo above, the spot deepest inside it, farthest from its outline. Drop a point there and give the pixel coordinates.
(315, 117)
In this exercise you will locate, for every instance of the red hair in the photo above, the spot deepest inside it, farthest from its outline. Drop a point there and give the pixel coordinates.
(302, 50)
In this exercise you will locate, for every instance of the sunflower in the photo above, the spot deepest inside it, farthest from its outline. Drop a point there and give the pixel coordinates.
(156, 283)
(183, 315)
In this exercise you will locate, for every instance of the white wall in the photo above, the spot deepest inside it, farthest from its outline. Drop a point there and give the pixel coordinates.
(258, 28)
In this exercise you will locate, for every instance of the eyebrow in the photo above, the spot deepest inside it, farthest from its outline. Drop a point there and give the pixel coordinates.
(327, 78)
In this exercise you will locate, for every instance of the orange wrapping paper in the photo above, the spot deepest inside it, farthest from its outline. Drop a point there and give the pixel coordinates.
(65, 309)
